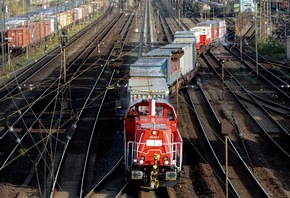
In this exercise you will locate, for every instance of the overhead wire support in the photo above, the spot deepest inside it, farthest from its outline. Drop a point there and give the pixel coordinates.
(27, 29)
(256, 42)
(63, 43)
(2, 34)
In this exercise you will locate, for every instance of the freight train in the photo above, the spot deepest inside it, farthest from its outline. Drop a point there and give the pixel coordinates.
(26, 31)
(152, 142)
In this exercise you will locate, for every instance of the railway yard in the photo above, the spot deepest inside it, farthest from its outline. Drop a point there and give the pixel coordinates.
(62, 117)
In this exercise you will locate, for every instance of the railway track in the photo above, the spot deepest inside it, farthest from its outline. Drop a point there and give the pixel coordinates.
(168, 32)
(73, 129)
(47, 92)
(90, 111)
(114, 180)
(29, 82)
(275, 66)
(238, 86)
(241, 179)
(280, 85)
(271, 83)
(114, 177)
(248, 176)
(76, 71)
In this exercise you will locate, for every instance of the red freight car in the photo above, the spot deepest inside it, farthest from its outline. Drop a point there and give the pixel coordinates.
(102, 4)
(20, 37)
(85, 11)
(40, 30)
(37, 31)
(46, 28)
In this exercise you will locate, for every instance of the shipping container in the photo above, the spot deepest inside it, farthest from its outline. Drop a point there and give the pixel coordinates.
(188, 59)
(149, 62)
(47, 27)
(138, 88)
(203, 35)
(20, 37)
(148, 67)
(222, 30)
(78, 14)
(69, 18)
(171, 67)
(62, 20)
(85, 10)
(52, 21)
(36, 29)
(188, 37)
(141, 71)
(185, 37)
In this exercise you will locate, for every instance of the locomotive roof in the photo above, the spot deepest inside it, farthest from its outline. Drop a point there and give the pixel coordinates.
(157, 100)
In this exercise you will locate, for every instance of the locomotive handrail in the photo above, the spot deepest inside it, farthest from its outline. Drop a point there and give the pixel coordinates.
(163, 144)
(175, 152)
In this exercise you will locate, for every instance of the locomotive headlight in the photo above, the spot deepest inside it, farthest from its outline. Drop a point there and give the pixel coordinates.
(142, 159)
(166, 160)
(154, 132)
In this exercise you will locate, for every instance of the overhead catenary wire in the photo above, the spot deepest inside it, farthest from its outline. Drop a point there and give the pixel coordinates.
(85, 106)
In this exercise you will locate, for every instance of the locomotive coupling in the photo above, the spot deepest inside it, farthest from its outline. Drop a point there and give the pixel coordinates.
(154, 182)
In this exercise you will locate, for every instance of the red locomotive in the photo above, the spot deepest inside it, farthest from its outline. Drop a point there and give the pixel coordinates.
(153, 144)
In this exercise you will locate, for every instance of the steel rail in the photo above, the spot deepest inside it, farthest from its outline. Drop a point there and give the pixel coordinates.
(242, 165)
(101, 181)
(37, 70)
(88, 99)
(30, 107)
(165, 28)
(81, 194)
(269, 80)
(34, 68)
(270, 119)
(205, 138)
